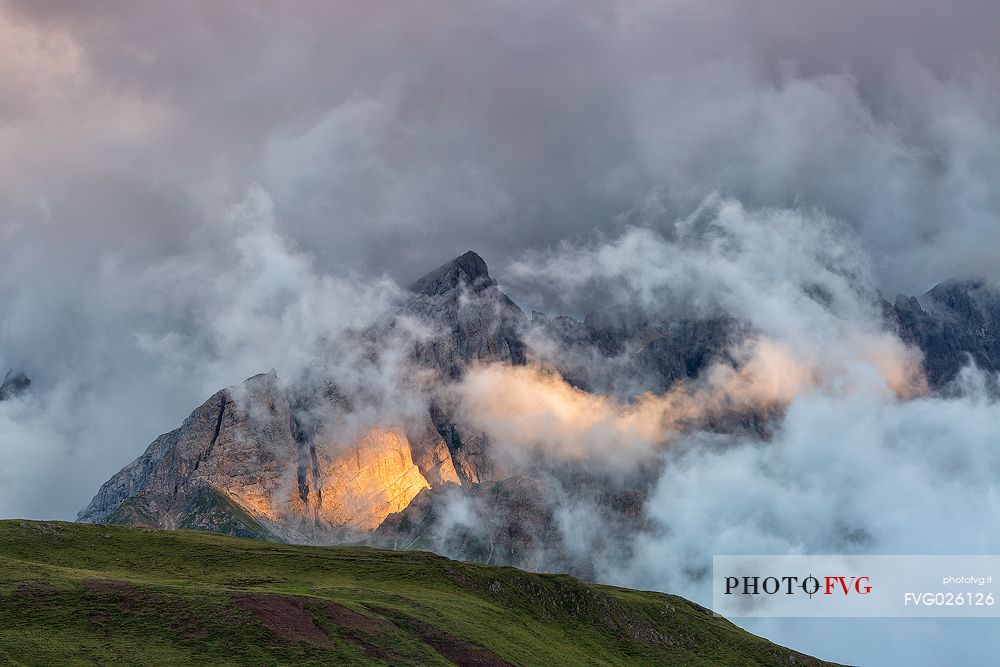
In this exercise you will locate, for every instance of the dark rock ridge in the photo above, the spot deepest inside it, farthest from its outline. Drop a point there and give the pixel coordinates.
(516, 521)
(624, 353)
(954, 323)
(474, 320)
(513, 524)
(14, 384)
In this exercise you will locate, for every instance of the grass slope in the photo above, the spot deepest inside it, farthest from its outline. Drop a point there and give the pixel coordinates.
(82, 594)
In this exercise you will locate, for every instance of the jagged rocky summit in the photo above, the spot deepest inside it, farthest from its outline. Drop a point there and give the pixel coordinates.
(953, 324)
(244, 463)
(247, 462)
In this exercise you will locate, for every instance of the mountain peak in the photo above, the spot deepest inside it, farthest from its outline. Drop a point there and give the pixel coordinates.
(468, 268)
(956, 284)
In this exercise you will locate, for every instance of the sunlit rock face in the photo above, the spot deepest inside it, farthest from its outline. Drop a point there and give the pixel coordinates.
(234, 466)
(368, 480)
(953, 323)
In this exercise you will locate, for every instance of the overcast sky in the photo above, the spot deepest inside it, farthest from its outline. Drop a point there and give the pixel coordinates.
(392, 136)
(193, 192)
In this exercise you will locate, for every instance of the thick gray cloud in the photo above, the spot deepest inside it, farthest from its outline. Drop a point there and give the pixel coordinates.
(845, 474)
(392, 136)
(194, 192)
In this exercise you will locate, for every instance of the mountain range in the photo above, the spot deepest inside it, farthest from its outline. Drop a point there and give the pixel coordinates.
(260, 459)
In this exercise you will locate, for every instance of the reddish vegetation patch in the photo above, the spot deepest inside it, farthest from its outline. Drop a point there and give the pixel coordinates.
(348, 618)
(121, 594)
(108, 585)
(459, 651)
(284, 615)
(124, 594)
(36, 591)
(358, 628)
(127, 598)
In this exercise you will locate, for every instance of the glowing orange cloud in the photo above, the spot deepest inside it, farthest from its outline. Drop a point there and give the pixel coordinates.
(532, 408)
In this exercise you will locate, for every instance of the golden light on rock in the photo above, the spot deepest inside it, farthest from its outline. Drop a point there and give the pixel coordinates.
(375, 477)
(353, 486)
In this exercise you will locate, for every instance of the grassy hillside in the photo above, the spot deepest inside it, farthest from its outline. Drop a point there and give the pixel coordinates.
(82, 594)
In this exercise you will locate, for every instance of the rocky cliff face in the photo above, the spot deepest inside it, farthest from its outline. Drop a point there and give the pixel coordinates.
(516, 521)
(473, 319)
(954, 323)
(624, 353)
(238, 441)
(252, 460)
(235, 466)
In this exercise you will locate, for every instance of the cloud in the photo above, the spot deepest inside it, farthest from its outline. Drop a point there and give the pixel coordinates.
(532, 409)
(826, 149)
(392, 137)
(150, 345)
(861, 473)
(796, 277)
(858, 458)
